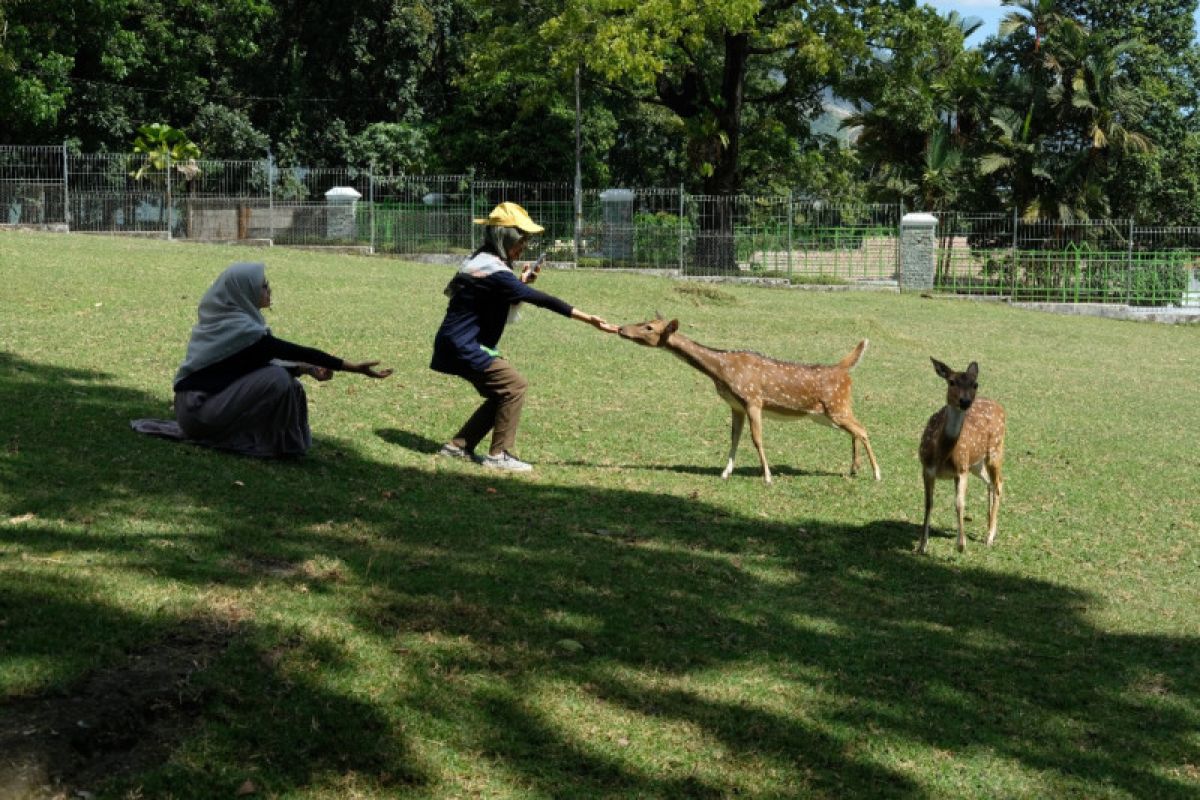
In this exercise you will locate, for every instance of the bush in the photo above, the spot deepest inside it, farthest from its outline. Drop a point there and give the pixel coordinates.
(656, 239)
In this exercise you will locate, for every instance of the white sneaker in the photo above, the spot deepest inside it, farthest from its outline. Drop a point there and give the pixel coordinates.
(451, 450)
(505, 461)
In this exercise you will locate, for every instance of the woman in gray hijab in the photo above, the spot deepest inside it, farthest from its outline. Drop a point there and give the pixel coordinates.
(237, 388)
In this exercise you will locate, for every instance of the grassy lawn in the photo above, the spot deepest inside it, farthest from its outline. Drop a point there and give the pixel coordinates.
(372, 621)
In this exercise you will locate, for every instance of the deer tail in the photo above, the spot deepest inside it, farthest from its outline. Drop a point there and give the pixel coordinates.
(852, 359)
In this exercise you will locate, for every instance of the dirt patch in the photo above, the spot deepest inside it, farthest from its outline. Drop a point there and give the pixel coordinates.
(320, 569)
(116, 721)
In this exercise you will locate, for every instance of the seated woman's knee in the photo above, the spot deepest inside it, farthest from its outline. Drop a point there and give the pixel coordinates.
(277, 380)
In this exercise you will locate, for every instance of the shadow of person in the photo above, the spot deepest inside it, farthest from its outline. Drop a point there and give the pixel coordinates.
(409, 440)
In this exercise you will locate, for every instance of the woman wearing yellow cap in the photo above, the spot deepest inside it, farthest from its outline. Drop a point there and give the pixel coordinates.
(484, 296)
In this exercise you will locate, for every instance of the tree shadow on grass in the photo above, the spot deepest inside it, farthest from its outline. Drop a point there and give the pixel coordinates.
(197, 679)
(557, 630)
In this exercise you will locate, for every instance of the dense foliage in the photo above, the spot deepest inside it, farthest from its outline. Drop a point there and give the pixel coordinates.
(1074, 110)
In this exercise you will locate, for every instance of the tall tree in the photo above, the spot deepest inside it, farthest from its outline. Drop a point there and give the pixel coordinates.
(1160, 66)
(330, 69)
(95, 71)
(1070, 111)
(705, 63)
(917, 102)
(1029, 150)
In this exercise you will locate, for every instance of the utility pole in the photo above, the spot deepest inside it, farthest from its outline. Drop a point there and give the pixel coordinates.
(578, 171)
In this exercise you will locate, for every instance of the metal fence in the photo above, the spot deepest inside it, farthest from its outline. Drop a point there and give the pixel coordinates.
(1093, 261)
(33, 185)
(780, 236)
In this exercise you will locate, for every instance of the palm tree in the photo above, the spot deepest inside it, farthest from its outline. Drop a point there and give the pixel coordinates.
(163, 148)
(925, 104)
(1045, 27)
(1101, 106)
(1039, 18)
(1048, 152)
(1101, 94)
(1014, 155)
(941, 176)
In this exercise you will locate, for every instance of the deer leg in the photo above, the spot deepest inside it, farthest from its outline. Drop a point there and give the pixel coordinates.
(960, 503)
(735, 435)
(930, 479)
(755, 414)
(994, 491)
(858, 433)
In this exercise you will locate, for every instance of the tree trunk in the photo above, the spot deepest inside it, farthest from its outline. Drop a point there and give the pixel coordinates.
(716, 250)
(716, 246)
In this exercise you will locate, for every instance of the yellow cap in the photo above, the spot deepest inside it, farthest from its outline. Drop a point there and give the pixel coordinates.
(511, 215)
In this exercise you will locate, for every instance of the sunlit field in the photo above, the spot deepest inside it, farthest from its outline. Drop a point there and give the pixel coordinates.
(374, 621)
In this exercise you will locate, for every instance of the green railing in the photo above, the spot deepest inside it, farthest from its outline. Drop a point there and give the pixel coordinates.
(1073, 274)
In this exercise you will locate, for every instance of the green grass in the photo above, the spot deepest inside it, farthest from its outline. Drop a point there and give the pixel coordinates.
(374, 622)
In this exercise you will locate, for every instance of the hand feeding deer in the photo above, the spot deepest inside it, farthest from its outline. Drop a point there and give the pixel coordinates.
(754, 385)
(967, 434)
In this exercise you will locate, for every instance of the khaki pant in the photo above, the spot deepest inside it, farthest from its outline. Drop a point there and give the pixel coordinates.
(503, 390)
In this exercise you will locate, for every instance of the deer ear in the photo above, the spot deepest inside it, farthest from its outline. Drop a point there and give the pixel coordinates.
(940, 368)
(973, 369)
(672, 326)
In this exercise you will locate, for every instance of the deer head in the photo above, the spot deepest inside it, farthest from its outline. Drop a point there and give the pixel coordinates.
(652, 333)
(960, 386)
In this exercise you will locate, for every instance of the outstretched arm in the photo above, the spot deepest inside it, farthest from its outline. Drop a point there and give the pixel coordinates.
(593, 320)
(365, 368)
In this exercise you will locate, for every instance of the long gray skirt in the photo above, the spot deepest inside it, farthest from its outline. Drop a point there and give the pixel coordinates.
(264, 413)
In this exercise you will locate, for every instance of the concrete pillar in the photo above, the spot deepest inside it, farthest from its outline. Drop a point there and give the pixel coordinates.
(339, 220)
(918, 251)
(1191, 295)
(617, 208)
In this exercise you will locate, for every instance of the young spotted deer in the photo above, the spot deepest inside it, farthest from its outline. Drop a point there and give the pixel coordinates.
(967, 434)
(754, 385)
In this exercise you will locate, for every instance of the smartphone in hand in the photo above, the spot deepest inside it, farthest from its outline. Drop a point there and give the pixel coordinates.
(530, 273)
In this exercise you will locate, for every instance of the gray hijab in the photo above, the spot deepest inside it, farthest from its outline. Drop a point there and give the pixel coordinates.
(491, 257)
(228, 319)
(498, 240)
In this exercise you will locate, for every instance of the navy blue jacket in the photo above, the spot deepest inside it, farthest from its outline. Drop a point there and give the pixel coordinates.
(476, 316)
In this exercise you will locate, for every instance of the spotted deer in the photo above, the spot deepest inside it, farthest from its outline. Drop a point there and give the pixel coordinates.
(965, 435)
(754, 385)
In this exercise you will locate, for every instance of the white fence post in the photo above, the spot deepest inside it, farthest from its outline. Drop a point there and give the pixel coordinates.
(66, 189)
(271, 197)
(167, 199)
(790, 245)
(918, 251)
(681, 228)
